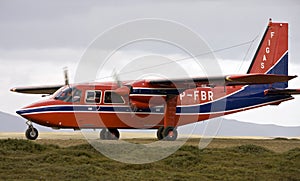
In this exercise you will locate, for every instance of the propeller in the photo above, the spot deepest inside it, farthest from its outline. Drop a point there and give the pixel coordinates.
(121, 90)
(116, 78)
(66, 76)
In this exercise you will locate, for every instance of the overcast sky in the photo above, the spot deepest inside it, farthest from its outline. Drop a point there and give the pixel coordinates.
(39, 38)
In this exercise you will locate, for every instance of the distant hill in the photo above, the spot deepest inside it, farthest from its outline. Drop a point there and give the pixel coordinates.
(11, 123)
(227, 127)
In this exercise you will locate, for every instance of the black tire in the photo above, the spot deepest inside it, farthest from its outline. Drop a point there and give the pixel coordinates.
(31, 133)
(103, 134)
(114, 134)
(170, 133)
(159, 133)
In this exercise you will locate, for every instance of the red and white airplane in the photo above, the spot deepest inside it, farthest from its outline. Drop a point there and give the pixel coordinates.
(165, 104)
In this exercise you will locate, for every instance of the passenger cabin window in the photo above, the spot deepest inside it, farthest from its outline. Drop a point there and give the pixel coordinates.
(69, 94)
(93, 97)
(113, 98)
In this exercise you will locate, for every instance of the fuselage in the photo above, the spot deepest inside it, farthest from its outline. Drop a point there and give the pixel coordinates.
(98, 105)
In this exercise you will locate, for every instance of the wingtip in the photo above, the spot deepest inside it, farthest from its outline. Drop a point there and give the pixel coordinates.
(228, 78)
(293, 76)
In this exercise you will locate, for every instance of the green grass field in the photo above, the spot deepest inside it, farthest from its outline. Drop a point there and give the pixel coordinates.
(71, 160)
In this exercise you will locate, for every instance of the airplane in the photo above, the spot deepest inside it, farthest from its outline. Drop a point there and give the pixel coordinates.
(165, 104)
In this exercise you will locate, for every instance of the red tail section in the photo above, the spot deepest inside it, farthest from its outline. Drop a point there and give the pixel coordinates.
(272, 54)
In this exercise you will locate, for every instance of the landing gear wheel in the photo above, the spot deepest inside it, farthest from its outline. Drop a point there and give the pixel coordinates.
(103, 134)
(114, 134)
(109, 134)
(170, 133)
(159, 133)
(31, 133)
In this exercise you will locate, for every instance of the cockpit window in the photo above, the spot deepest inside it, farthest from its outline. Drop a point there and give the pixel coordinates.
(69, 94)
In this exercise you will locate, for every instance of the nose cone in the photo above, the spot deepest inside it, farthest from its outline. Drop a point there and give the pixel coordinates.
(20, 112)
(32, 108)
(25, 110)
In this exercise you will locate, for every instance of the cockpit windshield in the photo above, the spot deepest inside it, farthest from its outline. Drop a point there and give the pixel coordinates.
(68, 94)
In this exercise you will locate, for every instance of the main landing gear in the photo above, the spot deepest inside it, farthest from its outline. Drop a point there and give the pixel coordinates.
(169, 133)
(31, 133)
(109, 134)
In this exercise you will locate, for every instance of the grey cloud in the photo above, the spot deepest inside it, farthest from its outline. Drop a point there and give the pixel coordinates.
(70, 24)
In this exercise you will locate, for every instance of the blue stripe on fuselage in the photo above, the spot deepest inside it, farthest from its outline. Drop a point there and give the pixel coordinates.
(85, 108)
(250, 96)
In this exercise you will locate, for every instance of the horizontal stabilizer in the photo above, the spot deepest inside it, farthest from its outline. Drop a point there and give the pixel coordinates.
(282, 91)
(250, 79)
(37, 89)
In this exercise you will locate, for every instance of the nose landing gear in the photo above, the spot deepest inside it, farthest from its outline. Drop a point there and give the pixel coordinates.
(31, 133)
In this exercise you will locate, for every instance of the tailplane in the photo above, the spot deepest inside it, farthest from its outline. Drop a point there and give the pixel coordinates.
(271, 56)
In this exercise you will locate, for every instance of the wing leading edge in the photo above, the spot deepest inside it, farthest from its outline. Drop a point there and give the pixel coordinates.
(37, 89)
(248, 79)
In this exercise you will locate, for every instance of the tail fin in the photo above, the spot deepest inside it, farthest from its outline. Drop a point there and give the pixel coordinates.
(271, 56)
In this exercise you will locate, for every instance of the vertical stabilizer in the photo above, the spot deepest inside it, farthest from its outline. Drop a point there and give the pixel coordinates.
(271, 56)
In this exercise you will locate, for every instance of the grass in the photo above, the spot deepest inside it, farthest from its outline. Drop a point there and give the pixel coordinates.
(28, 160)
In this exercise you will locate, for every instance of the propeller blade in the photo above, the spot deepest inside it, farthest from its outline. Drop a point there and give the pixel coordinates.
(66, 75)
(116, 78)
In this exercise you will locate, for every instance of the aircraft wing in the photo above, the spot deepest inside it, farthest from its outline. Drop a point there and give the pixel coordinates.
(247, 79)
(37, 89)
